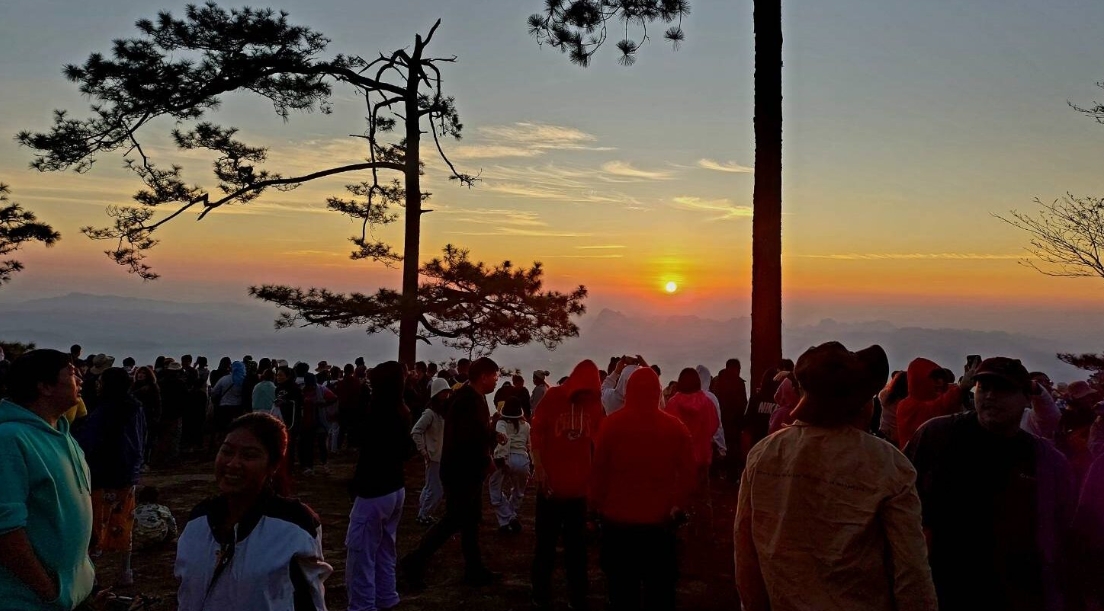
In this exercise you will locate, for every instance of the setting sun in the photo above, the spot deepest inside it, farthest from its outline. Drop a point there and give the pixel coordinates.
(670, 287)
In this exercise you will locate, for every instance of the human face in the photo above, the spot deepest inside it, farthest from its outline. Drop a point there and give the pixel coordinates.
(281, 377)
(65, 390)
(486, 383)
(999, 405)
(242, 466)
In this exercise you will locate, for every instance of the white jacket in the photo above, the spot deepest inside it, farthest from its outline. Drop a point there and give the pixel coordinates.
(517, 442)
(429, 434)
(274, 562)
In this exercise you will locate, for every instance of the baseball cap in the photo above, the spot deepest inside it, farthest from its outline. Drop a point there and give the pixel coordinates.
(1011, 371)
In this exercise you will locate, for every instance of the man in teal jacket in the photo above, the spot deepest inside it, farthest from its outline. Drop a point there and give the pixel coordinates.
(45, 491)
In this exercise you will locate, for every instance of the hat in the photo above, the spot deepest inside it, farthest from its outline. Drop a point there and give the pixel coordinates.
(322, 366)
(438, 385)
(172, 365)
(1011, 371)
(101, 363)
(539, 375)
(837, 382)
(1079, 389)
(512, 409)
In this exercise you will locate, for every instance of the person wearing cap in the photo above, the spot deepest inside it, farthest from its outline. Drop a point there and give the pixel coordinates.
(997, 501)
(641, 480)
(929, 396)
(428, 434)
(828, 516)
(562, 440)
(540, 387)
(98, 364)
(512, 463)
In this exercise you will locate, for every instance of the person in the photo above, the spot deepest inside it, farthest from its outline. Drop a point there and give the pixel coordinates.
(1043, 418)
(129, 365)
(540, 387)
(694, 409)
(352, 400)
(641, 479)
(289, 402)
(512, 463)
(75, 355)
(379, 489)
(264, 393)
(889, 397)
(504, 392)
(562, 439)
(463, 371)
(223, 370)
(113, 439)
(203, 373)
(465, 460)
(146, 392)
(521, 392)
(174, 413)
(761, 407)
(930, 395)
(997, 501)
(828, 516)
(249, 547)
(319, 405)
(227, 398)
(786, 398)
(45, 489)
(613, 387)
(97, 364)
(154, 523)
(731, 391)
(428, 434)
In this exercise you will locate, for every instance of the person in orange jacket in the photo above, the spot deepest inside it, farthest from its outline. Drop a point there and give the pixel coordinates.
(641, 479)
(929, 396)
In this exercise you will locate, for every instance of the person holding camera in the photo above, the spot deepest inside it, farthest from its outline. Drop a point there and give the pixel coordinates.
(614, 386)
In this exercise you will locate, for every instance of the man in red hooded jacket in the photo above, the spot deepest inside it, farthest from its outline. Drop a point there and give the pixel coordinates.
(642, 476)
(928, 397)
(562, 437)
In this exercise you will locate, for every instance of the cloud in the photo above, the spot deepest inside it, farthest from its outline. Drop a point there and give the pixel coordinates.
(601, 247)
(724, 166)
(496, 216)
(549, 181)
(491, 151)
(935, 256)
(626, 170)
(521, 232)
(525, 139)
(609, 256)
(724, 206)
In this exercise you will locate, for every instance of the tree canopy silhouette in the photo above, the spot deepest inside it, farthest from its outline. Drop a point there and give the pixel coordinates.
(18, 227)
(180, 69)
(580, 27)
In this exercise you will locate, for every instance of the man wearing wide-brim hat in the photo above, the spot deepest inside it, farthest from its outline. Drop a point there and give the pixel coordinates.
(828, 515)
(998, 501)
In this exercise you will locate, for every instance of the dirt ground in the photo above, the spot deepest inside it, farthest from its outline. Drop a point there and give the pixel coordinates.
(705, 558)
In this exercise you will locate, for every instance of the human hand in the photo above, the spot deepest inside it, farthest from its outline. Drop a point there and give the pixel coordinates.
(501, 438)
(640, 361)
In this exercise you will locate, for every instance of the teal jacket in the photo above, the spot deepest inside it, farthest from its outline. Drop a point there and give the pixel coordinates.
(45, 489)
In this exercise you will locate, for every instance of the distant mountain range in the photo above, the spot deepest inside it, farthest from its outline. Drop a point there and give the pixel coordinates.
(143, 328)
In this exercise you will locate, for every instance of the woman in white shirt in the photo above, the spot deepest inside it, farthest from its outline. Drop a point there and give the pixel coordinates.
(512, 466)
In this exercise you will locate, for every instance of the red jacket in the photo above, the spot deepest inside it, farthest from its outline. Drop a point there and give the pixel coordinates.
(643, 462)
(563, 431)
(698, 413)
(923, 401)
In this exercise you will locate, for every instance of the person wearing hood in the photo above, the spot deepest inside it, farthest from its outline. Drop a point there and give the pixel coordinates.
(113, 440)
(227, 397)
(786, 397)
(731, 391)
(695, 410)
(428, 434)
(706, 384)
(615, 384)
(641, 479)
(45, 489)
(563, 436)
(929, 396)
(828, 516)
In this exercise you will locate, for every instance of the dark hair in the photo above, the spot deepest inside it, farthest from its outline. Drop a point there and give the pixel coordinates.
(349, 369)
(388, 383)
(264, 363)
(128, 361)
(114, 383)
(688, 381)
(148, 495)
(224, 364)
(517, 379)
(612, 364)
(309, 380)
(481, 367)
(734, 363)
(898, 387)
(431, 368)
(268, 375)
(287, 371)
(32, 368)
(268, 429)
(786, 365)
(359, 361)
(186, 359)
(159, 363)
(301, 369)
(655, 368)
(74, 349)
(463, 363)
(420, 366)
(201, 361)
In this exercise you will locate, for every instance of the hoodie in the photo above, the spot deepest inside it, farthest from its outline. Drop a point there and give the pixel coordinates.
(613, 389)
(706, 382)
(643, 459)
(563, 432)
(45, 489)
(113, 439)
(698, 413)
(923, 402)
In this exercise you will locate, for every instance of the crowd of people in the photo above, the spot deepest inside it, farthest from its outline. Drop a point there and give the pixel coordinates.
(856, 487)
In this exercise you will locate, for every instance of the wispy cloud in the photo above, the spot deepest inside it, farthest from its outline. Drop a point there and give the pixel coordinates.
(495, 216)
(595, 256)
(550, 181)
(522, 232)
(724, 166)
(526, 139)
(601, 247)
(935, 256)
(725, 207)
(625, 169)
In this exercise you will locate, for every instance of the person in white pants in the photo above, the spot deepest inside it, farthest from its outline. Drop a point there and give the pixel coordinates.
(429, 435)
(512, 466)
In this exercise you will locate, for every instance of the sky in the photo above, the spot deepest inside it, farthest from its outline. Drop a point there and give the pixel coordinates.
(907, 127)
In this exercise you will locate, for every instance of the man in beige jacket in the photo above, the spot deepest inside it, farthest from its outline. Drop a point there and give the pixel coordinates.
(828, 516)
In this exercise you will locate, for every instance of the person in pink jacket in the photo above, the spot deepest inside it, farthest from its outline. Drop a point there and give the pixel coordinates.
(694, 409)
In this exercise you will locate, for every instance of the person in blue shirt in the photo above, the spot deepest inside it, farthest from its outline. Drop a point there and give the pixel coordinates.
(45, 489)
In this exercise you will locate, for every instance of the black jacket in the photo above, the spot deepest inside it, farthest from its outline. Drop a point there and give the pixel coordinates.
(385, 449)
(466, 450)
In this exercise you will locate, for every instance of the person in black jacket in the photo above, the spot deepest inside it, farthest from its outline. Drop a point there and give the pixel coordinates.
(465, 461)
(379, 489)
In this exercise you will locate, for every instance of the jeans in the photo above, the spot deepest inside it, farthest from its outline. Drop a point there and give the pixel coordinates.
(507, 487)
(556, 517)
(432, 492)
(640, 566)
(372, 556)
(463, 511)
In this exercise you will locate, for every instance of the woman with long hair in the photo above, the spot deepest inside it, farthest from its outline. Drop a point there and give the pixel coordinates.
(379, 488)
(148, 394)
(249, 547)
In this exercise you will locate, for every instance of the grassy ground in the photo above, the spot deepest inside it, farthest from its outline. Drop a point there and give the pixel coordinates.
(705, 549)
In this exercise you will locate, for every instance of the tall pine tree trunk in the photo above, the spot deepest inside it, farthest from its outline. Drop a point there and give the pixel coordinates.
(766, 228)
(408, 322)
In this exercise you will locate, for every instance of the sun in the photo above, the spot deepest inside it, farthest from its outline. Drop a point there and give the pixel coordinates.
(671, 286)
